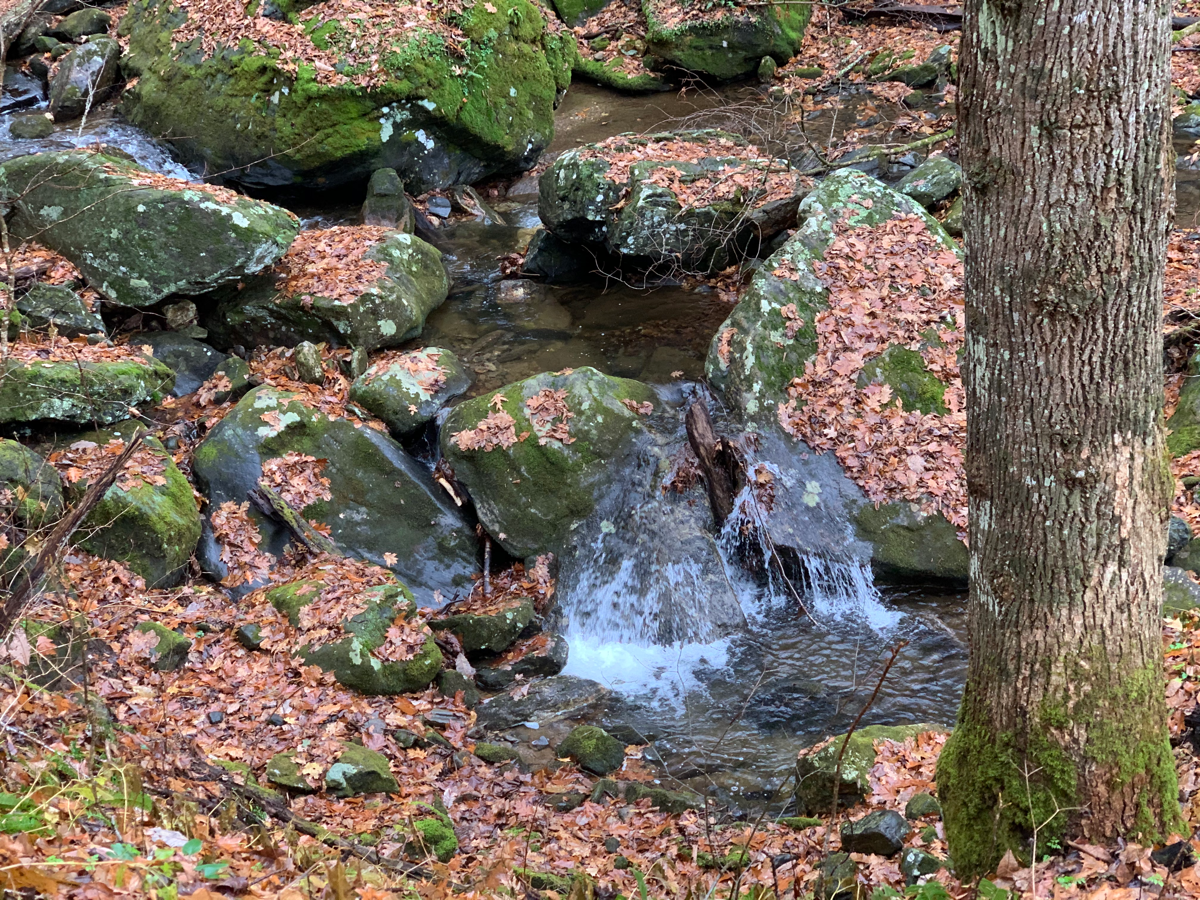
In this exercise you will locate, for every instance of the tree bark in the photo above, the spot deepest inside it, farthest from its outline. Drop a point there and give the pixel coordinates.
(1065, 131)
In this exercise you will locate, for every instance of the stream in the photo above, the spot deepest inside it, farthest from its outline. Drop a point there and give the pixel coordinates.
(726, 717)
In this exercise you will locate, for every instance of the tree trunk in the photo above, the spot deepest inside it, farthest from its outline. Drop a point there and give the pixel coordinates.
(1069, 187)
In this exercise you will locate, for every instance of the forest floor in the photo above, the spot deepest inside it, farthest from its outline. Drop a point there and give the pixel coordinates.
(108, 787)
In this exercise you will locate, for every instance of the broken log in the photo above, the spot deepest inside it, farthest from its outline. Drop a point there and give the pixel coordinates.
(272, 505)
(942, 18)
(717, 461)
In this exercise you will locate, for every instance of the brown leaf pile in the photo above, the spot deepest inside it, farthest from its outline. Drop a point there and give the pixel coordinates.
(143, 178)
(888, 286)
(752, 178)
(497, 429)
(239, 538)
(421, 364)
(40, 348)
(297, 478)
(543, 408)
(330, 263)
(368, 31)
(620, 21)
(85, 461)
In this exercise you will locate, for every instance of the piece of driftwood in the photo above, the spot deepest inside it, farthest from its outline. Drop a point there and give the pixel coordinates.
(271, 504)
(717, 461)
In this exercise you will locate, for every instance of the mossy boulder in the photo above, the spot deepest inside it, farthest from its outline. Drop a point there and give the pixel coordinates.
(171, 650)
(31, 493)
(920, 805)
(386, 312)
(837, 879)
(495, 753)
(911, 544)
(58, 305)
(932, 182)
(432, 836)
(492, 632)
(283, 771)
(904, 371)
(881, 832)
(87, 391)
(1184, 425)
(148, 521)
(449, 104)
(63, 664)
(387, 204)
(1180, 593)
(1187, 123)
(32, 126)
(532, 476)
(631, 212)
(408, 390)
(383, 505)
(815, 771)
(350, 659)
(84, 78)
(360, 771)
(721, 44)
(576, 12)
(610, 73)
(916, 864)
(916, 75)
(137, 237)
(594, 749)
(752, 359)
(80, 24)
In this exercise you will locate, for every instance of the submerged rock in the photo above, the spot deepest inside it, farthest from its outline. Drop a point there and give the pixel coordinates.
(536, 454)
(377, 295)
(339, 97)
(379, 503)
(686, 199)
(536, 657)
(175, 237)
(548, 700)
(406, 390)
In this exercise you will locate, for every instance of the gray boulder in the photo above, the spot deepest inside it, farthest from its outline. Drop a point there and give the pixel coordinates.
(932, 182)
(84, 78)
(191, 361)
(58, 305)
(408, 389)
(386, 202)
(881, 832)
(80, 24)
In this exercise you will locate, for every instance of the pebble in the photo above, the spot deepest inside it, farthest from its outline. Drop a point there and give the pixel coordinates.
(275, 719)
(216, 717)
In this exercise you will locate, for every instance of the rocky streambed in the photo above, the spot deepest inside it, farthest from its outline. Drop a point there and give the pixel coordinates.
(359, 410)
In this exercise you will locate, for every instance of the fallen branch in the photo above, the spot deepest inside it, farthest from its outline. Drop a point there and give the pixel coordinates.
(30, 582)
(276, 808)
(272, 505)
(716, 460)
(837, 771)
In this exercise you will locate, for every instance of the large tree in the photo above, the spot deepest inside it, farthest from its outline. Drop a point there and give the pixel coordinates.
(1065, 131)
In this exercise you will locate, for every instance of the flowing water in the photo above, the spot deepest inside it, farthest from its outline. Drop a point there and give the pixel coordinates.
(727, 710)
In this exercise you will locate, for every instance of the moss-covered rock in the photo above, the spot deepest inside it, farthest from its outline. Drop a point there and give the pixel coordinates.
(881, 832)
(84, 78)
(532, 476)
(916, 863)
(815, 771)
(171, 650)
(360, 771)
(904, 371)
(752, 359)
(673, 802)
(1187, 123)
(139, 238)
(919, 75)
(908, 543)
(408, 390)
(452, 682)
(58, 305)
(932, 182)
(610, 73)
(433, 836)
(492, 632)
(495, 753)
(594, 749)
(576, 12)
(630, 211)
(149, 521)
(383, 505)
(1180, 593)
(953, 220)
(351, 658)
(437, 114)
(283, 771)
(99, 391)
(80, 24)
(920, 805)
(837, 879)
(1184, 425)
(387, 204)
(724, 45)
(386, 312)
(31, 492)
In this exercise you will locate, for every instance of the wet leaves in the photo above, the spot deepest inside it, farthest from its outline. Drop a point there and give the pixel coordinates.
(331, 263)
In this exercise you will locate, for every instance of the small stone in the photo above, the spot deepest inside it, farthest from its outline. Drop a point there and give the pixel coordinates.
(309, 366)
(438, 206)
(922, 805)
(612, 844)
(881, 832)
(620, 862)
(916, 864)
(404, 738)
(540, 742)
(766, 68)
(567, 802)
(360, 771)
(275, 719)
(1179, 534)
(451, 682)
(594, 749)
(31, 126)
(360, 361)
(282, 771)
(216, 717)
(180, 315)
(1175, 857)
(495, 753)
(249, 636)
